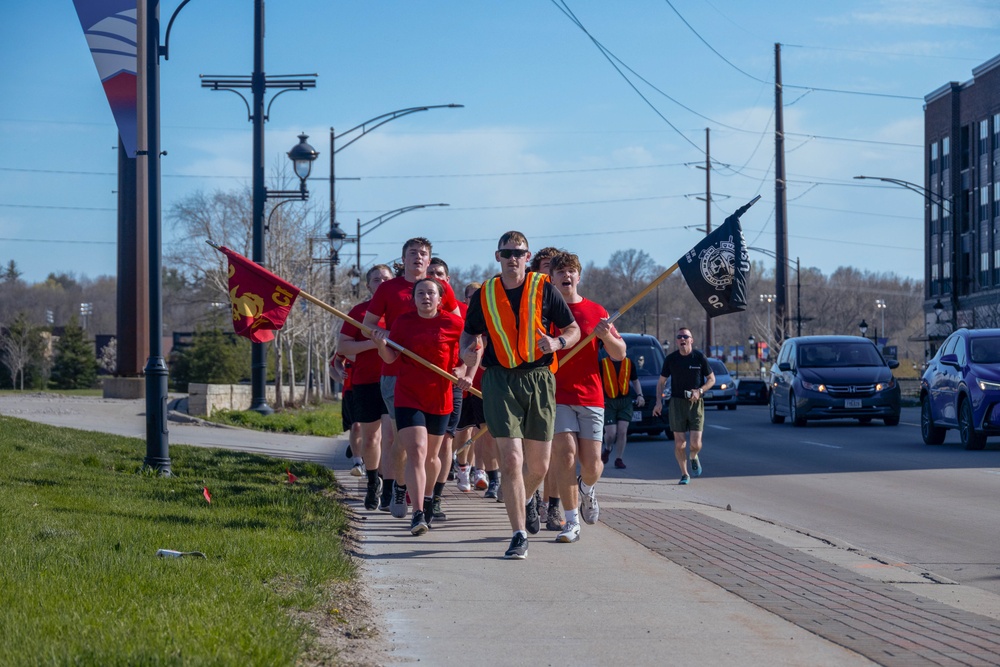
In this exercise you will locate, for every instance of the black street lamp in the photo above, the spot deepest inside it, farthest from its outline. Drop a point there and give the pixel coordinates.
(258, 83)
(378, 221)
(863, 327)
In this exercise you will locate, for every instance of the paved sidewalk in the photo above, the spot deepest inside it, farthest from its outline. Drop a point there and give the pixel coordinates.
(658, 580)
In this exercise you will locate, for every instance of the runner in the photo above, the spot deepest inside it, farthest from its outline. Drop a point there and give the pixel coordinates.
(422, 398)
(580, 402)
(392, 299)
(515, 310)
(618, 377)
(368, 408)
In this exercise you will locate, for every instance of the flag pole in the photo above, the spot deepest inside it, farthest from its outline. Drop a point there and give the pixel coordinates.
(366, 330)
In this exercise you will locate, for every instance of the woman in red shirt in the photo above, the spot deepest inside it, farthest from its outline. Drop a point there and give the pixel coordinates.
(423, 398)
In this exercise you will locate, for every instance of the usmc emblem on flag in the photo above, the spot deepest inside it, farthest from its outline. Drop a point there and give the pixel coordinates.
(717, 264)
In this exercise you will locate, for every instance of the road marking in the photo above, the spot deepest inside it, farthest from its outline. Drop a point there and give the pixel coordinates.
(721, 428)
(992, 472)
(820, 444)
(909, 424)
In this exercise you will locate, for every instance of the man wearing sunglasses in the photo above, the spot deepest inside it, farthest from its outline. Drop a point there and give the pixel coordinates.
(690, 377)
(516, 310)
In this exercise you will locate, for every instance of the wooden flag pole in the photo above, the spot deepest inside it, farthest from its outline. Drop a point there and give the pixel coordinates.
(366, 330)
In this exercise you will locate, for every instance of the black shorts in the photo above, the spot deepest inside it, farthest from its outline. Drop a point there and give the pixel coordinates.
(472, 412)
(407, 417)
(456, 410)
(347, 409)
(368, 404)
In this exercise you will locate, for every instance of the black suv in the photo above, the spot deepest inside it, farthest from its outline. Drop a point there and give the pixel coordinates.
(646, 354)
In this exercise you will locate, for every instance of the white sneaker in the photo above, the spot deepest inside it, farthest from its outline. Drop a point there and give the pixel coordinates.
(589, 509)
(358, 469)
(462, 479)
(481, 481)
(570, 533)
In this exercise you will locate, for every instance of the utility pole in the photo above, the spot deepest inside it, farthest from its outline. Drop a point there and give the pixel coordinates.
(780, 209)
(708, 226)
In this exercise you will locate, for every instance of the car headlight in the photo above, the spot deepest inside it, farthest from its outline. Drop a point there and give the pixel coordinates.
(882, 386)
(986, 385)
(821, 388)
(723, 386)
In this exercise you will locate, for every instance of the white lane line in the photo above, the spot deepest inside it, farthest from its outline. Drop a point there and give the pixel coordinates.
(992, 472)
(820, 444)
(909, 424)
(721, 428)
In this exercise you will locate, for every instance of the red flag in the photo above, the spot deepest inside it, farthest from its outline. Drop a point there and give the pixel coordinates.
(204, 492)
(261, 300)
(291, 478)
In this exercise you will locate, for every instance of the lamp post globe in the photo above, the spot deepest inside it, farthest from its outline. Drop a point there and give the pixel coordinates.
(302, 156)
(863, 327)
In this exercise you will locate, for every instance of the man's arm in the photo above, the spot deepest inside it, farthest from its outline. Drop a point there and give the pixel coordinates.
(658, 406)
(614, 344)
(640, 400)
(698, 392)
(351, 348)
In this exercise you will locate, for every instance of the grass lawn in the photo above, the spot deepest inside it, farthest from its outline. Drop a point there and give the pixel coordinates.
(80, 582)
(322, 420)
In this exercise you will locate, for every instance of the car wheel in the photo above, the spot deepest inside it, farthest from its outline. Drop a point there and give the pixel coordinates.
(720, 407)
(732, 407)
(772, 411)
(891, 421)
(864, 420)
(971, 438)
(793, 412)
(932, 435)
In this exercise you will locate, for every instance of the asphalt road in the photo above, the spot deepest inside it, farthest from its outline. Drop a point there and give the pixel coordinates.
(878, 488)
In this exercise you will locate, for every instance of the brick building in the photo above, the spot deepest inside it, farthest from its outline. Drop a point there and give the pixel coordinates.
(962, 219)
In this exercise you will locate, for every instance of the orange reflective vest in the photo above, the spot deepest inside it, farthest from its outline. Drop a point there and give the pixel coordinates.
(615, 385)
(513, 344)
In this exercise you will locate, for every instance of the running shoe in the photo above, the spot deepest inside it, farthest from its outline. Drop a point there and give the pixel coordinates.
(589, 509)
(481, 481)
(696, 468)
(436, 510)
(571, 533)
(462, 479)
(454, 468)
(619, 464)
(499, 491)
(386, 501)
(398, 504)
(418, 526)
(493, 489)
(518, 548)
(605, 455)
(349, 453)
(374, 491)
(531, 519)
(553, 518)
(358, 469)
(684, 479)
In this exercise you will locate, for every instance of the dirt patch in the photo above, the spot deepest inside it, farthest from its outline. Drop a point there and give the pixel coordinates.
(346, 630)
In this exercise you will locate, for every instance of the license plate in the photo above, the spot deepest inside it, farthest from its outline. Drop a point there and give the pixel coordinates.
(852, 403)
(708, 394)
(637, 416)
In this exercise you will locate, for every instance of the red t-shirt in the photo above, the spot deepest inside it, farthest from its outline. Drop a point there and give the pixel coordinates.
(394, 298)
(578, 381)
(367, 366)
(436, 340)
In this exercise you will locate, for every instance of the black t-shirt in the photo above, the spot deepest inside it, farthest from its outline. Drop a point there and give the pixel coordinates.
(554, 311)
(685, 372)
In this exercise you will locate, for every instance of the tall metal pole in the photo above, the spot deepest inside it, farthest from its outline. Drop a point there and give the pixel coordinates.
(708, 226)
(258, 357)
(157, 440)
(357, 243)
(781, 208)
(333, 210)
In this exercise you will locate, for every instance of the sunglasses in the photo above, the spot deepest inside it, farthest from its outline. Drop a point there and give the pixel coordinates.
(682, 337)
(507, 253)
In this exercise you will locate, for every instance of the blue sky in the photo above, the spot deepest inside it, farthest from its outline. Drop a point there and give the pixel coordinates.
(552, 140)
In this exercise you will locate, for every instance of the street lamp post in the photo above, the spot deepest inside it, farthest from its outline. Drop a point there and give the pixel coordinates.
(947, 208)
(751, 345)
(880, 304)
(769, 298)
(863, 327)
(258, 83)
(363, 129)
(378, 221)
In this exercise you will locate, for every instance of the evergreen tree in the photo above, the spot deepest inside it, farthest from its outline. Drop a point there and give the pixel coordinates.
(75, 365)
(215, 357)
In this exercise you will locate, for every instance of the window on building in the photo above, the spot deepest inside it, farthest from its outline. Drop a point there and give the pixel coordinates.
(996, 131)
(934, 160)
(996, 199)
(984, 202)
(996, 264)
(946, 153)
(984, 136)
(984, 268)
(934, 212)
(946, 270)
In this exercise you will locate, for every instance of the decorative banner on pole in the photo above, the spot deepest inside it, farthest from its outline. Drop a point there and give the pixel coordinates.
(110, 29)
(716, 269)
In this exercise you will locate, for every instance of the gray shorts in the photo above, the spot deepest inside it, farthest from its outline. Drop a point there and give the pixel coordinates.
(387, 383)
(585, 420)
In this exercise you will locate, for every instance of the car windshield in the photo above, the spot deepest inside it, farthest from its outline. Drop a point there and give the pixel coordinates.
(648, 360)
(831, 355)
(718, 368)
(985, 350)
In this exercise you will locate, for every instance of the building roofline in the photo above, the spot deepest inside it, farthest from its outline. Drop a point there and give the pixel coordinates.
(939, 93)
(986, 66)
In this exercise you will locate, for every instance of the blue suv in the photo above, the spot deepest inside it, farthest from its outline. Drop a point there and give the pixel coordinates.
(961, 389)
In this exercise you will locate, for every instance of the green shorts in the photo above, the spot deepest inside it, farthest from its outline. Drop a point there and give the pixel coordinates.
(686, 416)
(617, 410)
(520, 403)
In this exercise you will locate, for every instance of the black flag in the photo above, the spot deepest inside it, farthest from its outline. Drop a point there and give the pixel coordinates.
(716, 269)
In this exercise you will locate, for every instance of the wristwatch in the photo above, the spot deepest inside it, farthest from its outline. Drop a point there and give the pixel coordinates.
(562, 342)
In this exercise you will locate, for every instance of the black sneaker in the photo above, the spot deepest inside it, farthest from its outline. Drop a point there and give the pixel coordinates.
(492, 489)
(386, 499)
(436, 510)
(518, 548)
(374, 491)
(349, 452)
(531, 519)
(418, 526)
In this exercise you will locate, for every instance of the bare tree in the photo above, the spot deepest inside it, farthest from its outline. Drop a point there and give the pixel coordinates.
(16, 343)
